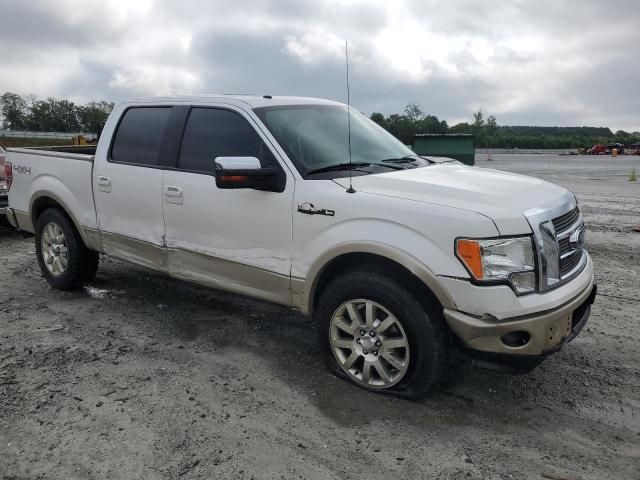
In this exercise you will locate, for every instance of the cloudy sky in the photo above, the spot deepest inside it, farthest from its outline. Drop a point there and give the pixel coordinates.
(537, 62)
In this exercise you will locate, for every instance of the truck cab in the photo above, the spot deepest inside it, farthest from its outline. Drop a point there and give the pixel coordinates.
(307, 203)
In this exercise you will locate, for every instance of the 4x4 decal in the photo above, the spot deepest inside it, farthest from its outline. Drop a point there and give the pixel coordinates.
(21, 169)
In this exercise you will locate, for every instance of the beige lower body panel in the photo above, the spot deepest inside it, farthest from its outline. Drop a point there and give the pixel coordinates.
(547, 329)
(298, 298)
(230, 276)
(183, 264)
(23, 221)
(11, 217)
(198, 268)
(135, 251)
(93, 239)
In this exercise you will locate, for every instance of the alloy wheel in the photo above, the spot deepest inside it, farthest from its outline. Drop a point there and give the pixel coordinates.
(369, 343)
(54, 249)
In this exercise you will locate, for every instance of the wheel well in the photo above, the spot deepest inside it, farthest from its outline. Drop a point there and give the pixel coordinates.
(44, 202)
(41, 204)
(375, 263)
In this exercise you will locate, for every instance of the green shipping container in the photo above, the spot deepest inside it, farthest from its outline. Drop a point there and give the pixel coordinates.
(460, 146)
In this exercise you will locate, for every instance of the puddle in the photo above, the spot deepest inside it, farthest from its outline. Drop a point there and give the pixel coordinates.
(350, 406)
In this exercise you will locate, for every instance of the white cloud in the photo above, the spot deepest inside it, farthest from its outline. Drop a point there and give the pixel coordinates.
(159, 79)
(316, 47)
(526, 62)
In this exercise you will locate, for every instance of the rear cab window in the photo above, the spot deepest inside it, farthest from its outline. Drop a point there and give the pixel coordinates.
(139, 136)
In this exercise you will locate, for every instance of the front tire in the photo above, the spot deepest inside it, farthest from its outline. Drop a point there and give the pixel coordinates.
(379, 336)
(65, 262)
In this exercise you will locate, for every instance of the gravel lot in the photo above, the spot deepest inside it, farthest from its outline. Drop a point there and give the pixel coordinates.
(139, 376)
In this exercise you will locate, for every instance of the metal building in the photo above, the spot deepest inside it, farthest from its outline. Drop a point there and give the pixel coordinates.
(460, 146)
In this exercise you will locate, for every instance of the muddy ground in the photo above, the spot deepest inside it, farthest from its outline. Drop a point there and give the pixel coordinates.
(139, 376)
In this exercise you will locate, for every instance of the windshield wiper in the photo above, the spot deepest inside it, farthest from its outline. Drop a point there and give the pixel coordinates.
(348, 166)
(338, 166)
(406, 159)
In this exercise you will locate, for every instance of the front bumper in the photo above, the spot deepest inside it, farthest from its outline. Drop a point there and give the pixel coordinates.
(546, 332)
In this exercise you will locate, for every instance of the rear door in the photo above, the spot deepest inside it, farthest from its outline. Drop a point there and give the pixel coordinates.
(128, 187)
(241, 239)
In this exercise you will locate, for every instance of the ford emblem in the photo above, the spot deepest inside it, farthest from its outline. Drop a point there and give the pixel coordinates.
(577, 239)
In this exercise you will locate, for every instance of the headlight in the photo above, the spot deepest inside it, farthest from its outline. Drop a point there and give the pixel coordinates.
(500, 260)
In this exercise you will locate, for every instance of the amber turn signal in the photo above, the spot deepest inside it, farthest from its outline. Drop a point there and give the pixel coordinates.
(469, 251)
(234, 178)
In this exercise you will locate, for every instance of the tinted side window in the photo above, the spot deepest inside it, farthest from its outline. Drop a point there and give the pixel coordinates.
(212, 133)
(139, 135)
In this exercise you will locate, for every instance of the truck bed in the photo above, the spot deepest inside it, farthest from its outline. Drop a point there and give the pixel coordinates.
(65, 173)
(86, 150)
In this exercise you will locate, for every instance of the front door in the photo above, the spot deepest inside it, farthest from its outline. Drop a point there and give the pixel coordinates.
(239, 240)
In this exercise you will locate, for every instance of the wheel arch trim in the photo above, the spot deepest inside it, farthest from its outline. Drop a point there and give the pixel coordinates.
(304, 290)
(47, 196)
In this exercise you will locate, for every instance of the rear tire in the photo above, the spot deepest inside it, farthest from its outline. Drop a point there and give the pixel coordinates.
(65, 262)
(404, 343)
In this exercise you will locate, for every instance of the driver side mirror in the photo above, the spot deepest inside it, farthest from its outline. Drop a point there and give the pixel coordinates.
(247, 172)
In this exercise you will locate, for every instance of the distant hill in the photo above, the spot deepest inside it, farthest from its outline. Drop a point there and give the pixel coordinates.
(556, 131)
(488, 134)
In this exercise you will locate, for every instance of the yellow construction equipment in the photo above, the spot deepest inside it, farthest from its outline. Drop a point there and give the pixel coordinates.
(79, 140)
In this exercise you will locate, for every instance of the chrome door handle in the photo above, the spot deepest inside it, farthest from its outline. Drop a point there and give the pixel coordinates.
(104, 181)
(104, 184)
(173, 194)
(173, 191)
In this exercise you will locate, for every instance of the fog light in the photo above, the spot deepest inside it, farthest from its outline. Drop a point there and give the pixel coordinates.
(523, 282)
(516, 339)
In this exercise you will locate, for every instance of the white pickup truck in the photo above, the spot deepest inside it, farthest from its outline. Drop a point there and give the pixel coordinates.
(398, 257)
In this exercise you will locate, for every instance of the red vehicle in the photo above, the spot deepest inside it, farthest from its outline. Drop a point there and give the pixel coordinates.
(3, 190)
(599, 149)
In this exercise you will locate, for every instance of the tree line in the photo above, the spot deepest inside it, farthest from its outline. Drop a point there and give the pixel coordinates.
(51, 115)
(488, 134)
(55, 115)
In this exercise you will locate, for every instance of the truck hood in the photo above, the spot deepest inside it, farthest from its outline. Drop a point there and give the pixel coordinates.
(501, 196)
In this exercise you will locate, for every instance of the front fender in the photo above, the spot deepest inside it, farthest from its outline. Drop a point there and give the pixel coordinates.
(420, 237)
(307, 289)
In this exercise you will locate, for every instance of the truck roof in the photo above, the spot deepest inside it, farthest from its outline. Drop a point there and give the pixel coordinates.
(250, 100)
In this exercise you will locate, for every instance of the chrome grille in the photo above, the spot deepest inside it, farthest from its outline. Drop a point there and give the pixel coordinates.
(564, 222)
(570, 262)
(570, 257)
(558, 233)
(565, 245)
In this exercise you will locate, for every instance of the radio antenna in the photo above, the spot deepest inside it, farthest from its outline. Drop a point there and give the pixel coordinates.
(346, 56)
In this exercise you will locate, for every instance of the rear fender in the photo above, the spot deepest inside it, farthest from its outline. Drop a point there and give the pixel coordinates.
(81, 214)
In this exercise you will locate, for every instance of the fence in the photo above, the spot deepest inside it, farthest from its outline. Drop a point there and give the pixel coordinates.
(498, 151)
(27, 134)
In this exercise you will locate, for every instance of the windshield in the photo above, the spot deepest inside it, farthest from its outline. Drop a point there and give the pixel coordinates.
(316, 136)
